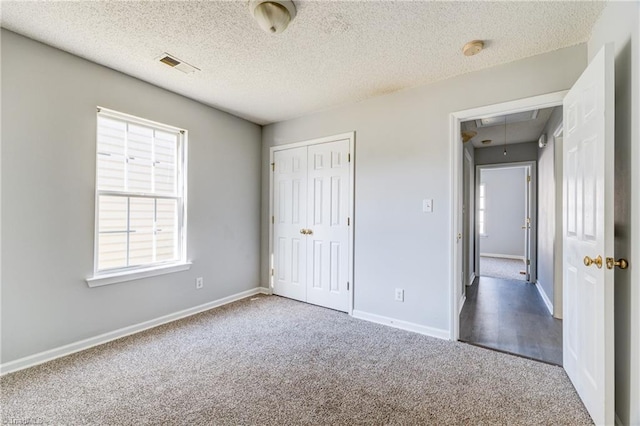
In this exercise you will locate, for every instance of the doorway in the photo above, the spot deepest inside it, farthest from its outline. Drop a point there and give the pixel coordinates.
(505, 308)
(506, 219)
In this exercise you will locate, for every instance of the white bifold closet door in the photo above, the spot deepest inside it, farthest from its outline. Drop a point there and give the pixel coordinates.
(310, 224)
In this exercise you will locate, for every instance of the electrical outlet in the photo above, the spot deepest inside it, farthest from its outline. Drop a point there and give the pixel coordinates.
(399, 295)
(199, 282)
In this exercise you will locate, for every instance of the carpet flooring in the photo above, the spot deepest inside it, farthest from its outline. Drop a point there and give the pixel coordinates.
(273, 361)
(508, 269)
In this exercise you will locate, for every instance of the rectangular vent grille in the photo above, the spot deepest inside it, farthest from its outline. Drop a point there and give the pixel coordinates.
(170, 61)
(176, 63)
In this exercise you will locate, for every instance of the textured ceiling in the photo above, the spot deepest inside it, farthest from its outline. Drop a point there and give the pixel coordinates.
(520, 132)
(334, 52)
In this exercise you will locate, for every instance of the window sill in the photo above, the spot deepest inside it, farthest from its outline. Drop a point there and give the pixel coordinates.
(120, 277)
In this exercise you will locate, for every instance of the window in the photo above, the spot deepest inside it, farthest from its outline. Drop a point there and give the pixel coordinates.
(140, 195)
(482, 230)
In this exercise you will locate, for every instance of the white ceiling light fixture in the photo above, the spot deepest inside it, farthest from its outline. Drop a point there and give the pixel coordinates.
(273, 16)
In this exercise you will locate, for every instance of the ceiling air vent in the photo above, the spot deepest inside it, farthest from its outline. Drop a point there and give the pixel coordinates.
(517, 117)
(176, 63)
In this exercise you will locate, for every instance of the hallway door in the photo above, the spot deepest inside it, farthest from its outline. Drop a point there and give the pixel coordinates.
(588, 173)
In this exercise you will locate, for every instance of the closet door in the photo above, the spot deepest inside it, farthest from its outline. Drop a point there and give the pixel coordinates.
(327, 214)
(289, 218)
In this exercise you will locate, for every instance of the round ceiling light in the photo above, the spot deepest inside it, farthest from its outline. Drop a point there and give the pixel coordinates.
(273, 16)
(473, 47)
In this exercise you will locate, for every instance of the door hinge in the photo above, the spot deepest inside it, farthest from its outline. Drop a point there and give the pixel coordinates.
(272, 272)
(348, 221)
(528, 178)
(273, 220)
(273, 167)
(528, 262)
(349, 157)
(347, 285)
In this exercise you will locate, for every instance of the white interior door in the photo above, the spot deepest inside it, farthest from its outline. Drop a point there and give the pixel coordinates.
(289, 218)
(327, 215)
(311, 224)
(588, 333)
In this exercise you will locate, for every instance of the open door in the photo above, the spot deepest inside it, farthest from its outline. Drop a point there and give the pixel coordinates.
(527, 223)
(588, 166)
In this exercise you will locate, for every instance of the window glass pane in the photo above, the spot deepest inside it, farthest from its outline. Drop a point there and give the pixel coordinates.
(112, 232)
(139, 175)
(112, 251)
(111, 172)
(111, 154)
(140, 142)
(165, 163)
(141, 214)
(111, 136)
(167, 230)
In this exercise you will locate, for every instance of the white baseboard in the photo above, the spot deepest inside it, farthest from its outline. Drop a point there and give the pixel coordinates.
(471, 278)
(404, 325)
(544, 296)
(502, 256)
(51, 354)
(463, 299)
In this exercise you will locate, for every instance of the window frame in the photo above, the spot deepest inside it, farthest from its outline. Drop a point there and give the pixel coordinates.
(128, 273)
(482, 210)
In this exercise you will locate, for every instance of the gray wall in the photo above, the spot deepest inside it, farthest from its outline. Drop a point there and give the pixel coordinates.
(620, 23)
(403, 156)
(49, 101)
(505, 211)
(549, 186)
(527, 151)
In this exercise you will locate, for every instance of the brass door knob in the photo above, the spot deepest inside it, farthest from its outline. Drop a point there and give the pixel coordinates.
(309, 232)
(621, 263)
(589, 261)
(303, 231)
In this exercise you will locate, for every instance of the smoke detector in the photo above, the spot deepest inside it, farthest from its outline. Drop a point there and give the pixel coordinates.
(473, 47)
(273, 16)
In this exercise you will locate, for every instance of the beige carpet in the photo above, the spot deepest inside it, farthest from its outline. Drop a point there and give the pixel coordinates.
(508, 269)
(273, 361)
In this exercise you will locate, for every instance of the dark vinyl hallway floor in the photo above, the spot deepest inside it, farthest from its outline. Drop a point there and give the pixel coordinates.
(510, 316)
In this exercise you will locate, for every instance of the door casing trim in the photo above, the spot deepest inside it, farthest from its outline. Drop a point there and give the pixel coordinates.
(455, 189)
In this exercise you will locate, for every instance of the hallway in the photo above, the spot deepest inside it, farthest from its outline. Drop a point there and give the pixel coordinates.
(510, 316)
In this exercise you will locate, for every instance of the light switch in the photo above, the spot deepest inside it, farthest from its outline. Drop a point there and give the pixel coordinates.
(427, 205)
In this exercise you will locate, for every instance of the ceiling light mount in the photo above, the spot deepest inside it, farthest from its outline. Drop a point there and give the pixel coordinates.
(473, 47)
(273, 16)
